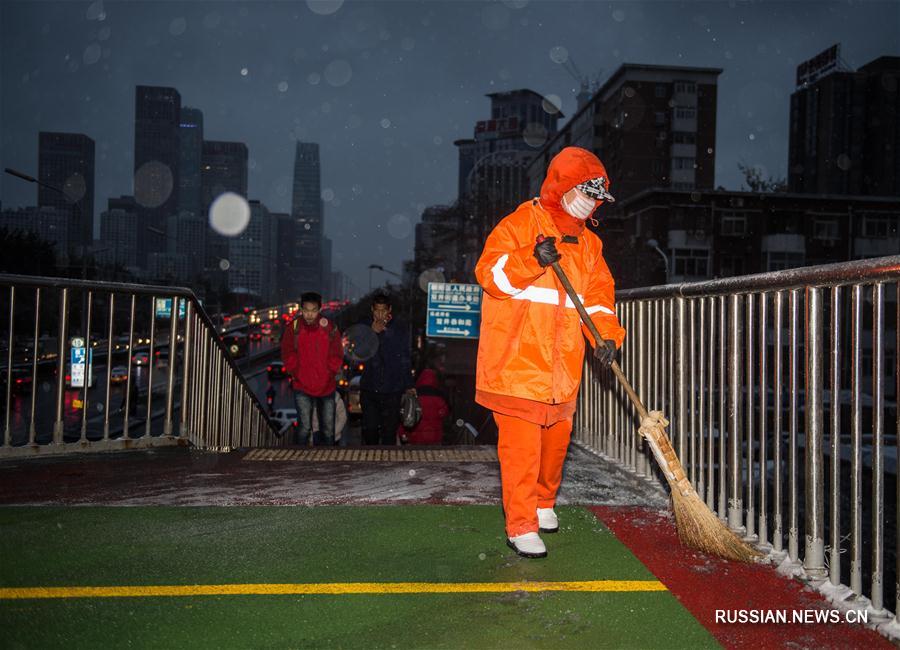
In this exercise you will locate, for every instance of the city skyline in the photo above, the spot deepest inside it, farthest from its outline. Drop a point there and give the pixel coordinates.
(386, 88)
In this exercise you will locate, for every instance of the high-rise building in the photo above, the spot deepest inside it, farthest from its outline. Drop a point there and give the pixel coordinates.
(66, 161)
(651, 125)
(253, 255)
(190, 129)
(223, 168)
(119, 232)
(306, 209)
(845, 127)
(156, 163)
(284, 258)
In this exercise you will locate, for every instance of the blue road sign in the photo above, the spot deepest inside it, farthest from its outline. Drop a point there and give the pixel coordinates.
(454, 310)
(164, 307)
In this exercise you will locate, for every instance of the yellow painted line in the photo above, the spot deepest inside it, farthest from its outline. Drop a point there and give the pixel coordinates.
(330, 588)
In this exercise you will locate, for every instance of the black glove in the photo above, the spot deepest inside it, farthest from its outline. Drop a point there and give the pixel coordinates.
(606, 354)
(545, 251)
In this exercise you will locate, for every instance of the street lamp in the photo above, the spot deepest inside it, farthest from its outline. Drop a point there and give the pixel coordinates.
(652, 243)
(77, 209)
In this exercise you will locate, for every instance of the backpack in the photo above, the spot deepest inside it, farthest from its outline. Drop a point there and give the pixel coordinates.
(410, 411)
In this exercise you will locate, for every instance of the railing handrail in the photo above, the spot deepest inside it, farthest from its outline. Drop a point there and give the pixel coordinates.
(92, 285)
(875, 269)
(8, 279)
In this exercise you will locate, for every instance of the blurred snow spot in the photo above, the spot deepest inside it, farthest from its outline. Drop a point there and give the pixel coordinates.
(752, 137)
(211, 20)
(103, 33)
(99, 407)
(482, 556)
(95, 11)
(559, 54)
(324, 7)
(618, 15)
(438, 139)
(408, 44)
(385, 123)
(709, 150)
(224, 264)
(244, 72)
(153, 184)
(327, 194)
(251, 163)
(229, 214)
(306, 226)
(178, 26)
(551, 104)
(535, 134)
(729, 55)
(843, 162)
(412, 472)
(495, 17)
(357, 189)
(338, 73)
(313, 79)
(399, 226)
(92, 54)
(283, 86)
(75, 187)
(629, 91)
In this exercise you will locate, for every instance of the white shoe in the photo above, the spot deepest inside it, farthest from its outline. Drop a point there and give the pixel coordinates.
(528, 545)
(547, 520)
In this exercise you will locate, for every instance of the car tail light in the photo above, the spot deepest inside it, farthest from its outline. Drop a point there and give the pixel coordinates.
(269, 369)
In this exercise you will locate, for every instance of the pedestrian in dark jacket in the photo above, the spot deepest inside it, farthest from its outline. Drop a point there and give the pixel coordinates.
(430, 429)
(312, 352)
(386, 376)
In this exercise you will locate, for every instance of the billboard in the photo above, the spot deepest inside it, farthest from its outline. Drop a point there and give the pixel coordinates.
(820, 65)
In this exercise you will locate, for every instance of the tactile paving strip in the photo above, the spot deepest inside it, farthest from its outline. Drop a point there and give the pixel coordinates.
(449, 455)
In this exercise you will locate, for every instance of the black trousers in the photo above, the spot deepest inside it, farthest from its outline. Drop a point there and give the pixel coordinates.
(380, 417)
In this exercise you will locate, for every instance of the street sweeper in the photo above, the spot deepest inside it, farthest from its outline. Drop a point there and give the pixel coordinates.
(531, 348)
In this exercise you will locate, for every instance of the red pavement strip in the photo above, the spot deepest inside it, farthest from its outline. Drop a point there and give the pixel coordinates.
(704, 584)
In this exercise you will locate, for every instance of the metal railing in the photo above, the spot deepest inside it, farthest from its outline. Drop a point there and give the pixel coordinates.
(778, 390)
(201, 398)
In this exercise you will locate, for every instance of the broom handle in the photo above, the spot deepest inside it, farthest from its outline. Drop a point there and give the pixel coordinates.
(586, 319)
(658, 441)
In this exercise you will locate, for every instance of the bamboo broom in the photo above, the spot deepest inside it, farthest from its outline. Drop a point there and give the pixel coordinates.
(698, 527)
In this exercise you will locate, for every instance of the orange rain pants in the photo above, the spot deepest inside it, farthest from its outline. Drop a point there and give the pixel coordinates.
(531, 461)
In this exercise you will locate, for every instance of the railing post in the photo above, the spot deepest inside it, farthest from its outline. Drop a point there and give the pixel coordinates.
(878, 446)
(59, 425)
(762, 527)
(681, 377)
(7, 433)
(735, 501)
(834, 563)
(173, 358)
(750, 317)
(856, 465)
(814, 552)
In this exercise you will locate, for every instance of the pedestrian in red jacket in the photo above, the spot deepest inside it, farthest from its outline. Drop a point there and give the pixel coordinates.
(430, 429)
(312, 352)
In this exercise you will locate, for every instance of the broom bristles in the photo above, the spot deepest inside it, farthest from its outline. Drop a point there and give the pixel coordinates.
(699, 528)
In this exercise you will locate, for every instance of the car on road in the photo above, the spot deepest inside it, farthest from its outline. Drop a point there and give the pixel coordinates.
(284, 419)
(276, 370)
(353, 405)
(21, 379)
(255, 336)
(140, 358)
(118, 375)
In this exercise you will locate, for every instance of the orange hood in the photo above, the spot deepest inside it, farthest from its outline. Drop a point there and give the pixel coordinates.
(571, 166)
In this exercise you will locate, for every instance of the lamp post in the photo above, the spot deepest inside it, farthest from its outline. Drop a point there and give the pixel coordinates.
(652, 243)
(75, 206)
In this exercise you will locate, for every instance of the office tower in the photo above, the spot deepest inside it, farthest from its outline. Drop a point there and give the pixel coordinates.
(119, 232)
(66, 161)
(253, 255)
(156, 163)
(845, 127)
(306, 209)
(223, 168)
(190, 131)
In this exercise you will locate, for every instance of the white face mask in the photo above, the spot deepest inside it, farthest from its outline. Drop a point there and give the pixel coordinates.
(581, 207)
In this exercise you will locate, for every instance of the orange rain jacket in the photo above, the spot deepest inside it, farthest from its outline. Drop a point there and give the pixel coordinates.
(531, 344)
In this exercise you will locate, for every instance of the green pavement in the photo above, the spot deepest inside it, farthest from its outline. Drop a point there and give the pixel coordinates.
(137, 546)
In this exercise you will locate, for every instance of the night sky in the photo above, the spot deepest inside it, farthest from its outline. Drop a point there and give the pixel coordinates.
(386, 87)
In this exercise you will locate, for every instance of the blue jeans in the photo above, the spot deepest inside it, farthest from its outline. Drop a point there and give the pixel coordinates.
(324, 407)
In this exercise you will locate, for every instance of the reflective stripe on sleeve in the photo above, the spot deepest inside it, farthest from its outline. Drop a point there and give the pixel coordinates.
(500, 278)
